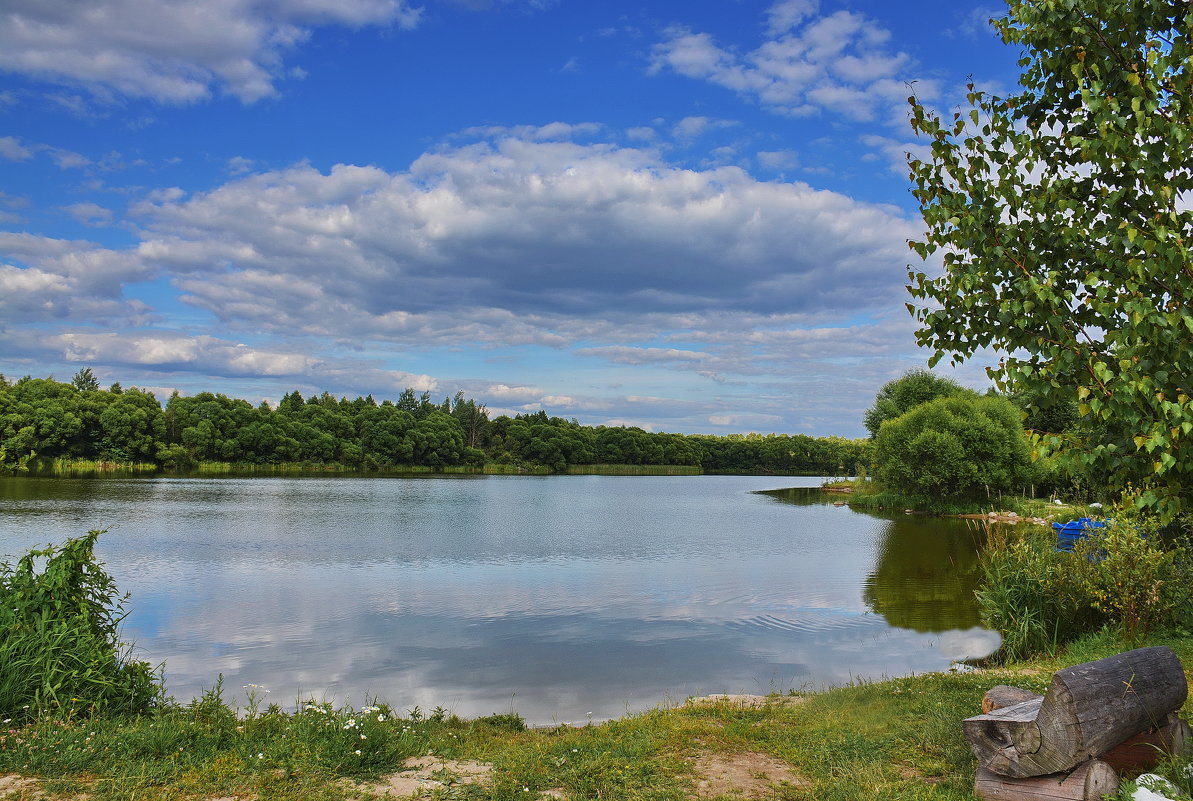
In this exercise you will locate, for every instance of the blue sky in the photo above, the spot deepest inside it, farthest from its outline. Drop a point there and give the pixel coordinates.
(688, 216)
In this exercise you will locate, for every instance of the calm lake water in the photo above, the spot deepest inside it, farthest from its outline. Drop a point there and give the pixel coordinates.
(556, 597)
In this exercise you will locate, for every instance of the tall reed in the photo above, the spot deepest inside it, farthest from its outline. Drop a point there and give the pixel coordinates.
(633, 470)
(60, 651)
(88, 468)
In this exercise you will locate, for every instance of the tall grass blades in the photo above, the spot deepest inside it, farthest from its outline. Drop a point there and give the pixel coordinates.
(60, 651)
(88, 468)
(1017, 599)
(1125, 577)
(633, 470)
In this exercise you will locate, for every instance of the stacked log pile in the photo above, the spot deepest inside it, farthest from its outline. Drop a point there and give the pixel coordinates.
(1095, 720)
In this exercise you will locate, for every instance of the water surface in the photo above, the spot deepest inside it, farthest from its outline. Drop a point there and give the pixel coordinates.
(557, 597)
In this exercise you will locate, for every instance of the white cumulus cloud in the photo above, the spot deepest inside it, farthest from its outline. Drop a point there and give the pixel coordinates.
(807, 64)
(170, 51)
(518, 241)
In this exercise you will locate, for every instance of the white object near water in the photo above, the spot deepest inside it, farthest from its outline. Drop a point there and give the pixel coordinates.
(1150, 787)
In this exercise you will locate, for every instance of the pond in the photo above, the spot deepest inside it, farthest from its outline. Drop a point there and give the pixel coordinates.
(562, 598)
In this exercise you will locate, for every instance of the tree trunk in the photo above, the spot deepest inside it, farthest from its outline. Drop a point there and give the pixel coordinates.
(1088, 710)
(1089, 782)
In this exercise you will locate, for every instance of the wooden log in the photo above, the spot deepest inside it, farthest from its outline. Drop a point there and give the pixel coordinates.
(1089, 781)
(1087, 710)
(1002, 696)
(1147, 749)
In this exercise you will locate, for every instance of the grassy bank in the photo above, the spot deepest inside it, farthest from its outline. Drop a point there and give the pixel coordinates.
(897, 739)
(83, 468)
(868, 495)
(81, 716)
(634, 470)
(489, 469)
(86, 468)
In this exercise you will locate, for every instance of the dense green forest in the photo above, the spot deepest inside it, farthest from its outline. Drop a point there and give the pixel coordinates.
(43, 420)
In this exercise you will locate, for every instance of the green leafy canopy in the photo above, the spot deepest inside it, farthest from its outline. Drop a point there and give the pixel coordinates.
(1062, 216)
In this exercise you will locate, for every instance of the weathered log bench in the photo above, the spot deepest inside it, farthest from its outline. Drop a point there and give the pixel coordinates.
(1083, 710)
(1087, 711)
(1142, 751)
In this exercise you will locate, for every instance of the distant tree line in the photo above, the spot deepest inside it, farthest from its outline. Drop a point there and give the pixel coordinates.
(44, 419)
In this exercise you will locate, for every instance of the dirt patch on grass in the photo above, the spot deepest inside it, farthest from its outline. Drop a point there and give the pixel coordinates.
(14, 786)
(745, 775)
(910, 773)
(422, 775)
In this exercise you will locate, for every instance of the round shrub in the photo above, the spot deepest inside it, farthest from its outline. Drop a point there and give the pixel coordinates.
(955, 446)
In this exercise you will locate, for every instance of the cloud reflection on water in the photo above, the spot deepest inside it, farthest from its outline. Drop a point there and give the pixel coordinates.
(554, 598)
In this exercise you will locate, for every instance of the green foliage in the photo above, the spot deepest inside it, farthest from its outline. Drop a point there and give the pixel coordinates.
(507, 721)
(60, 650)
(1128, 575)
(781, 453)
(898, 397)
(865, 741)
(209, 745)
(437, 440)
(1065, 241)
(1026, 595)
(1178, 769)
(85, 381)
(1046, 414)
(346, 741)
(46, 425)
(1124, 577)
(955, 446)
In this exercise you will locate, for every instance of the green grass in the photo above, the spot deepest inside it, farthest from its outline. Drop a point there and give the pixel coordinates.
(491, 468)
(633, 470)
(312, 469)
(87, 468)
(871, 495)
(80, 718)
(897, 740)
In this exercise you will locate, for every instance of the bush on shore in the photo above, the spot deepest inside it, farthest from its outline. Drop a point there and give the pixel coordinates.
(957, 446)
(1125, 577)
(60, 645)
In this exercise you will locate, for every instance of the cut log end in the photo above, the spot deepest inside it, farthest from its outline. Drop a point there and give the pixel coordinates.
(1003, 695)
(1005, 739)
(1089, 781)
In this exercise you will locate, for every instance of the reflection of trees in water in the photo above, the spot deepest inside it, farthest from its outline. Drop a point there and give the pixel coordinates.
(804, 496)
(926, 575)
(927, 569)
(41, 493)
